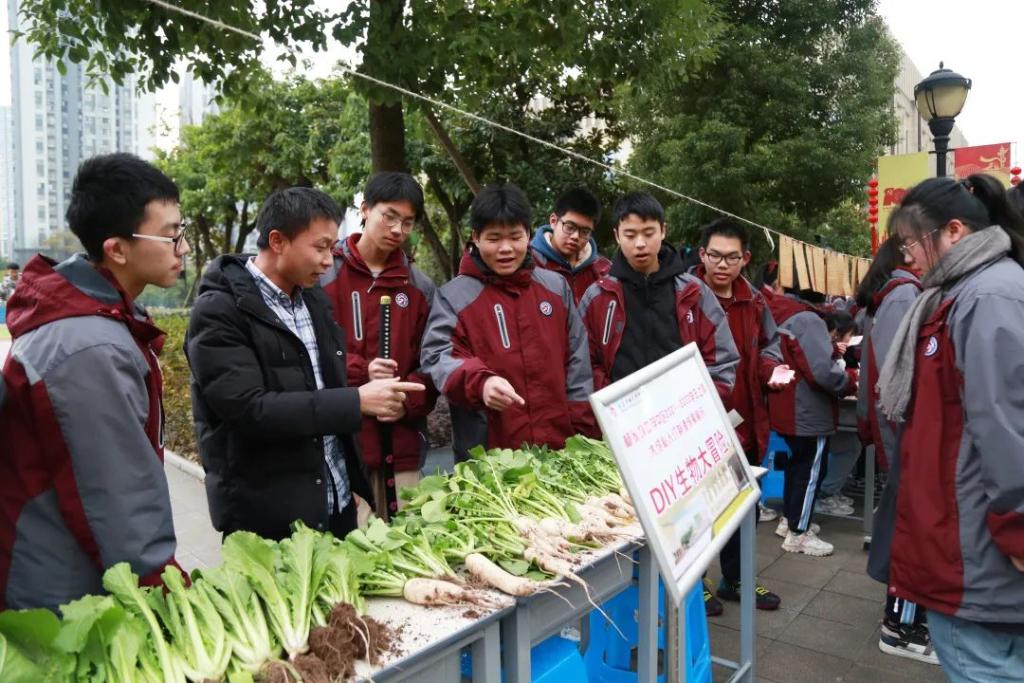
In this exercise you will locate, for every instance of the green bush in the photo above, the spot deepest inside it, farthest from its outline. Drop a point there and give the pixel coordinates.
(179, 430)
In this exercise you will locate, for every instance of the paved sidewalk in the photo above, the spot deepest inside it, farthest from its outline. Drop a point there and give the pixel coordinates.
(825, 632)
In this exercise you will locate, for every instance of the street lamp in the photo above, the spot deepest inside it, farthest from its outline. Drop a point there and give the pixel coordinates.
(940, 97)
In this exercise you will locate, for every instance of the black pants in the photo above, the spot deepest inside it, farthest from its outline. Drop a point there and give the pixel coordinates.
(730, 555)
(340, 523)
(805, 472)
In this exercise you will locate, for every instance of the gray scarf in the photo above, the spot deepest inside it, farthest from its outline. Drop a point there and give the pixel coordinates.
(895, 382)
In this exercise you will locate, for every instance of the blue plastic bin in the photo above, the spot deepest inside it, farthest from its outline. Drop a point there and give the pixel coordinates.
(555, 660)
(612, 658)
(773, 483)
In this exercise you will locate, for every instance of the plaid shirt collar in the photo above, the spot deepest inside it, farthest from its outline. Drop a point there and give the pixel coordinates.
(270, 290)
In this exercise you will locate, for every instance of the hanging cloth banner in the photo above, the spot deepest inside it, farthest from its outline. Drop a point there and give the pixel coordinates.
(816, 256)
(785, 261)
(803, 275)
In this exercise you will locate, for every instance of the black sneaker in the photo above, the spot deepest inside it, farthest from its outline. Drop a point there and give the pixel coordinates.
(907, 640)
(712, 606)
(730, 590)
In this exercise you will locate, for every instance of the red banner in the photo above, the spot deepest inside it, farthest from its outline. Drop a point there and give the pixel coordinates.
(991, 159)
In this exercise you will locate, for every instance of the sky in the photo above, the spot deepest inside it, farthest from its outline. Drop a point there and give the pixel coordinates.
(979, 39)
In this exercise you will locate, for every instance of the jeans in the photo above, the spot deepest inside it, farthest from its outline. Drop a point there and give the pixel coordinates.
(845, 447)
(971, 652)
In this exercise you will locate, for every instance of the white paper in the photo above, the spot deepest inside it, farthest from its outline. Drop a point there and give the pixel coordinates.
(781, 375)
(855, 341)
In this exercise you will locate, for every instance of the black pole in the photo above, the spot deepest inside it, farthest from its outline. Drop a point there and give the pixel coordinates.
(386, 436)
(941, 128)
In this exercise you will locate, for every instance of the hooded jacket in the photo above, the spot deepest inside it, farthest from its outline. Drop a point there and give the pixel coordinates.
(591, 268)
(355, 294)
(960, 505)
(523, 327)
(693, 315)
(81, 470)
(807, 406)
(757, 340)
(260, 419)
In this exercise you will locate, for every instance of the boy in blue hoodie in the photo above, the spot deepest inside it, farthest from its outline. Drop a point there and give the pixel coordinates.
(567, 246)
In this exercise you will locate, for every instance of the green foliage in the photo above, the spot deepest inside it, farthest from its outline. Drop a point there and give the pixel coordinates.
(783, 126)
(179, 430)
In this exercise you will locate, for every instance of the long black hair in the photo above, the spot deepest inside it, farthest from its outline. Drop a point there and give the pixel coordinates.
(887, 259)
(979, 202)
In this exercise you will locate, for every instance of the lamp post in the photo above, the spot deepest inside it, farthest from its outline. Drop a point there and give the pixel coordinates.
(940, 97)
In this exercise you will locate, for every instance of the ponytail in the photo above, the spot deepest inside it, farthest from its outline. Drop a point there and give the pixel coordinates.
(1001, 211)
(887, 259)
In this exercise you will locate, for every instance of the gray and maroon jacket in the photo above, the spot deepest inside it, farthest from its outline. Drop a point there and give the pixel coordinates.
(960, 507)
(807, 406)
(81, 472)
(888, 307)
(523, 327)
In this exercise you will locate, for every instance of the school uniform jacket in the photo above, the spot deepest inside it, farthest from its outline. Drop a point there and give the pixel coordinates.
(355, 294)
(699, 317)
(809, 405)
(82, 484)
(523, 327)
(960, 506)
(757, 340)
(591, 268)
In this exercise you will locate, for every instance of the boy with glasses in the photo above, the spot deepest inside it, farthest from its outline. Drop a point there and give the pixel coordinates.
(81, 469)
(367, 266)
(567, 245)
(724, 252)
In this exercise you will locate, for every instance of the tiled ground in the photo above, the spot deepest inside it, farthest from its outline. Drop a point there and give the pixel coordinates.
(825, 632)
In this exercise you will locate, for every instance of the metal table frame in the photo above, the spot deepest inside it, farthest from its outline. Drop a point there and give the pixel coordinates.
(441, 662)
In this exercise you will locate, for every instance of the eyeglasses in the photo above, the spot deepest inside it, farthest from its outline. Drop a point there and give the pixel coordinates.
(905, 248)
(570, 228)
(176, 240)
(715, 258)
(393, 221)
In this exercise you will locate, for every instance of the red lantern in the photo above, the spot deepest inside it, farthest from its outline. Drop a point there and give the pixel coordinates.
(873, 183)
(1015, 175)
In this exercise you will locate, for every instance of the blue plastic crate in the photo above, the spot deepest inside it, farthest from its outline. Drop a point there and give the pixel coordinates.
(611, 657)
(555, 660)
(773, 483)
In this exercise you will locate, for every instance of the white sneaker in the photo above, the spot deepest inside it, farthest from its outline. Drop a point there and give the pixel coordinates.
(832, 506)
(845, 500)
(807, 543)
(783, 528)
(767, 514)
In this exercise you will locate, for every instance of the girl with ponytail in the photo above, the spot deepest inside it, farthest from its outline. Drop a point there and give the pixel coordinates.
(954, 380)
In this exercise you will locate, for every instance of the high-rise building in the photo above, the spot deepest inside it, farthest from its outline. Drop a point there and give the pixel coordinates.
(196, 100)
(58, 121)
(6, 187)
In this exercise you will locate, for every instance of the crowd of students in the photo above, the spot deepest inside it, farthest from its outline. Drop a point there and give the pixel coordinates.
(299, 416)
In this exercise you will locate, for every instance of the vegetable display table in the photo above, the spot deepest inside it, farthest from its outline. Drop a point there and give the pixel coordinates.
(430, 640)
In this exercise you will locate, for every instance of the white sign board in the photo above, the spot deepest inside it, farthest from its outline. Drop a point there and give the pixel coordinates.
(680, 460)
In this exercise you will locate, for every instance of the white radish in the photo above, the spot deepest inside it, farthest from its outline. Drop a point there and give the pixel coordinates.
(493, 575)
(624, 495)
(600, 515)
(433, 592)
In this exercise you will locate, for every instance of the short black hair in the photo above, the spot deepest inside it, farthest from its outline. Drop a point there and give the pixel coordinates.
(290, 211)
(502, 203)
(13, 266)
(840, 322)
(579, 200)
(109, 197)
(725, 227)
(640, 203)
(392, 186)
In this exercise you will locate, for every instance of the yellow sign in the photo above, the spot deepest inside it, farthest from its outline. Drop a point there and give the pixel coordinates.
(896, 175)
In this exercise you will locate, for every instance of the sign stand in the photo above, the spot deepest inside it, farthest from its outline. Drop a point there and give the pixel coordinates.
(692, 488)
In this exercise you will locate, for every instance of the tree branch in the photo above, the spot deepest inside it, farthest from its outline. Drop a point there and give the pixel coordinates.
(446, 142)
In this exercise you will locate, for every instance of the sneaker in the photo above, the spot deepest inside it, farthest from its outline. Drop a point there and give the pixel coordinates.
(730, 590)
(907, 640)
(845, 500)
(712, 606)
(831, 506)
(767, 514)
(783, 528)
(807, 543)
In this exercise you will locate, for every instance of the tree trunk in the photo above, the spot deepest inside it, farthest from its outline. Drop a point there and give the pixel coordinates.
(387, 119)
(437, 247)
(244, 228)
(453, 153)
